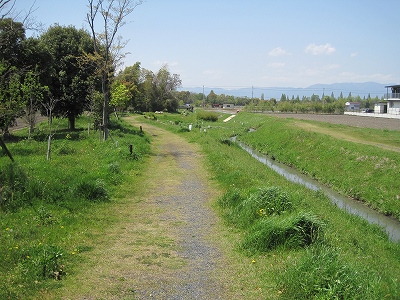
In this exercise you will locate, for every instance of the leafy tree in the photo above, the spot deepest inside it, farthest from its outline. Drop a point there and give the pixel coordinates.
(11, 103)
(33, 93)
(12, 35)
(69, 82)
(159, 90)
(132, 79)
(120, 96)
(212, 98)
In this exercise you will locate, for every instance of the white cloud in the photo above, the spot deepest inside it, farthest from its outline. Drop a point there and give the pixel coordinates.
(320, 49)
(278, 51)
(354, 54)
(276, 65)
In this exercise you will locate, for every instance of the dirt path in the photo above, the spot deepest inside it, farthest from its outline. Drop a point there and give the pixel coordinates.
(357, 121)
(161, 247)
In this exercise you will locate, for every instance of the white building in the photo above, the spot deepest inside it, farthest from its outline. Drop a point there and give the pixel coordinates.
(393, 99)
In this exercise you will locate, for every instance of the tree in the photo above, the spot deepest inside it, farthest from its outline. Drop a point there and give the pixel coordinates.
(120, 96)
(212, 97)
(12, 35)
(132, 79)
(107, 45)
(159, 90)
(33, 93)
(70, 81)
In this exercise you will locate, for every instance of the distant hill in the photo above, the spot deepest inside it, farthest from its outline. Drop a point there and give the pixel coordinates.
(361, 89)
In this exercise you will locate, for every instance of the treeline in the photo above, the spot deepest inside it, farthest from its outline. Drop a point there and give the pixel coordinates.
(61, 74)
(314, 104)
(200, 99)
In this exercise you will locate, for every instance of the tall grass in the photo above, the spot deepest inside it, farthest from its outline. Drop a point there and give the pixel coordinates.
(321, 274)
(49, 208)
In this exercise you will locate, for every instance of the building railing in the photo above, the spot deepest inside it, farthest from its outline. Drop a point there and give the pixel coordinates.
(392, 95)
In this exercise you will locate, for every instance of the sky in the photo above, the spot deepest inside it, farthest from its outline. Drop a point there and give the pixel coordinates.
(260, 43)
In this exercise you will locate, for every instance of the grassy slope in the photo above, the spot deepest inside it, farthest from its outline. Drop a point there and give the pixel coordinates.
(352, 244)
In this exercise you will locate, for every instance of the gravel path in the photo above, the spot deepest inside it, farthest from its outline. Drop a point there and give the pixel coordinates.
(164, 244)
(182, 194)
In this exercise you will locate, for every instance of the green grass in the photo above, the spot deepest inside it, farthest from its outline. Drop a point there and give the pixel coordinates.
(315, 250)
(49, 209)
(362, 172)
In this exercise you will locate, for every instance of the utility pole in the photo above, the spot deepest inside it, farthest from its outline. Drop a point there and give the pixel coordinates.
(204, 105)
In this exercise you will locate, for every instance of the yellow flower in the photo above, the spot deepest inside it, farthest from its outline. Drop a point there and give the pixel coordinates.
(7, 229)
(253, 261)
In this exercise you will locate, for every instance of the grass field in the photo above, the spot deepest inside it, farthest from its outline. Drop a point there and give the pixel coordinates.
(282, 241)
(314, 249)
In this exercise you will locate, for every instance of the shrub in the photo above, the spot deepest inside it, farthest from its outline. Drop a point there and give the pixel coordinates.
(207, 116)
(114, 168)
(264, 202)
(231, 198)
(226, 141)
(293, 231)
(92, 191)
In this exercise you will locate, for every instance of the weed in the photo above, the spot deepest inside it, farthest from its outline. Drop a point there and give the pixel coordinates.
(92, 190)
(260, 203)
(322, 274)
(43, 262)
(293, 231)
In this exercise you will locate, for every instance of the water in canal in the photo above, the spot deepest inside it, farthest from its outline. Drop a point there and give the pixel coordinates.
(390, 225)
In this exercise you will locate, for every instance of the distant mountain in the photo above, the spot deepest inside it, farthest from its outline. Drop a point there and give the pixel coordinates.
(356, 89)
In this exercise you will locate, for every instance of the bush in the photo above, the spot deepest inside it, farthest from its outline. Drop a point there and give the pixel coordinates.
(207, 116)
(264, 202)
(92, 191)
(293, 231)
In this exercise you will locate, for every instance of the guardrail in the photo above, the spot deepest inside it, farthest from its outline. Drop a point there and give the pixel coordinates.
(392, 96)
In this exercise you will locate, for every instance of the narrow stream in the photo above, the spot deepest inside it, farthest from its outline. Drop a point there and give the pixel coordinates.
(390, 225)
